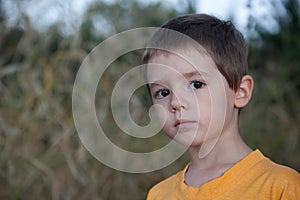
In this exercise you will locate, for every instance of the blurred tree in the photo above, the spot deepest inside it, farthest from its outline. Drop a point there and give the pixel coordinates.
(274, 61)
(105, 19)
(40, 155)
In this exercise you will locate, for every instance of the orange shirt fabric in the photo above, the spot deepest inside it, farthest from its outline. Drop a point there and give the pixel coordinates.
(254, 177)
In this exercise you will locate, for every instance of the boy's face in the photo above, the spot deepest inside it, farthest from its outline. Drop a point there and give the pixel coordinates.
(196, 103)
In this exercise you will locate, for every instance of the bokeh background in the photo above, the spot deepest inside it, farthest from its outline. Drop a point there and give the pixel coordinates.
(42, 45)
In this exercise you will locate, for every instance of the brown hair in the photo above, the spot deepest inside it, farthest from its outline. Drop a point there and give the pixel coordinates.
(222, 41)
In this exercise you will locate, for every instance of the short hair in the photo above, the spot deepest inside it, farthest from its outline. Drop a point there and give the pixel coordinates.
(221, 40)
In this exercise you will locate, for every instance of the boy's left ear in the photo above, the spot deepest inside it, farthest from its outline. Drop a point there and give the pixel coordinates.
(244, 92)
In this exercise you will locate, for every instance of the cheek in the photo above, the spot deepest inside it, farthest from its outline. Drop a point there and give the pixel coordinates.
(166, 120)
(160, 111)
(204, 108)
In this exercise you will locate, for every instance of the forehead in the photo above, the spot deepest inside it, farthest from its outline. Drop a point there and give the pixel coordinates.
(181, 62)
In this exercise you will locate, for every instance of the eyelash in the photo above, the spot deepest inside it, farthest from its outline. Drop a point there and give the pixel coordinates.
(158, 93)
(160, 96)
(201, 84)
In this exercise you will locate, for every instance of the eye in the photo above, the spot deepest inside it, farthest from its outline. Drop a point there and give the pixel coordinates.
(162, 93)
(197, 85)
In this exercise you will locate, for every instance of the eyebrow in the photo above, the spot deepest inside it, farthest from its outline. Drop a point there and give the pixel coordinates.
(186, 75)
(191, 74)
(152, 85)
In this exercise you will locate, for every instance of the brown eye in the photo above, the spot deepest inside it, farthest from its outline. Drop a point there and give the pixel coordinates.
(197, 85)
(162, 93)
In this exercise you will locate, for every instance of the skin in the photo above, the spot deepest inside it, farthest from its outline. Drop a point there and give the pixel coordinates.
(199, 110)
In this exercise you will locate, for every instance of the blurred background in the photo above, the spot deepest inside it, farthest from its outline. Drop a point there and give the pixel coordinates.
(42, 45)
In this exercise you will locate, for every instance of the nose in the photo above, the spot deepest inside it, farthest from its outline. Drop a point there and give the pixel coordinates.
(178, 102)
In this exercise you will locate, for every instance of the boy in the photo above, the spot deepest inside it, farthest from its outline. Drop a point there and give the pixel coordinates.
(200, 90)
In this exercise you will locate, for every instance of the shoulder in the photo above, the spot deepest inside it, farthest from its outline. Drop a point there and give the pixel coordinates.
(260, 165)
(281, 172)
(282, 181)
(287, 182)
(285, 174)
(165, 188)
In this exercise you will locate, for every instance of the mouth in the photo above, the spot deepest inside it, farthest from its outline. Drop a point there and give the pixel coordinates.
(183, 123)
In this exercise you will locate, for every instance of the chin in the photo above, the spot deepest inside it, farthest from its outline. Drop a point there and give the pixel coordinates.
(188, 143)
(186, 138)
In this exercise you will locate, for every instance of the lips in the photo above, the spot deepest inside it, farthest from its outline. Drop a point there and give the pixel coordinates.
(184, 123)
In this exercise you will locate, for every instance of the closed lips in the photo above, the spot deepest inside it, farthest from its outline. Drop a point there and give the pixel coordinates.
(183, 122)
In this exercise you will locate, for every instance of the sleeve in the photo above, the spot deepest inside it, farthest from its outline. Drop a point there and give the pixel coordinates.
(163, 190)
(150, 195)
(291, 190)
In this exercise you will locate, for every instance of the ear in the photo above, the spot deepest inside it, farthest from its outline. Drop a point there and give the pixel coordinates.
(244, 92)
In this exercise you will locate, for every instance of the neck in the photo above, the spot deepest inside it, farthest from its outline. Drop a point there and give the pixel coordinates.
(229, 149)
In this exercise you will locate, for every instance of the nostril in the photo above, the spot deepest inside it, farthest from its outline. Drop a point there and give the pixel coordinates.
(175, 104)
(178, 102)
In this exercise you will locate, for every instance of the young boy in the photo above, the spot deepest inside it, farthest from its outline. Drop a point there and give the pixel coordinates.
(200, 90)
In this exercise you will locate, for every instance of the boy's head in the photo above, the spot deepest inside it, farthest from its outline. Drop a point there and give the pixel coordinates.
(196, 68)
(221, 40)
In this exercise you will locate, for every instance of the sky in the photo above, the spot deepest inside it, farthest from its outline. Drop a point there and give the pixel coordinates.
(72, 11)
(225, 8)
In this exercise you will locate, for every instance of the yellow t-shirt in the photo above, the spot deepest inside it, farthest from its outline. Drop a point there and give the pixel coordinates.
(254, 177)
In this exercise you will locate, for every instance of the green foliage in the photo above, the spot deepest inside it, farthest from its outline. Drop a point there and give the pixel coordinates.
(271, 122)
(41, 155)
